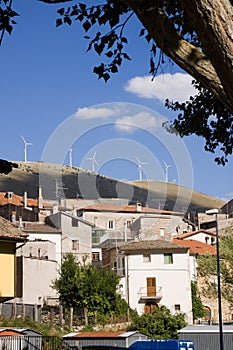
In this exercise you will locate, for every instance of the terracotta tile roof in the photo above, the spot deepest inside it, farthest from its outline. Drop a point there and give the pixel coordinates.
(150, 245)
(196, 247)
(38, 227)
(127, 208)
(97, 334)
(16, 200)
(10, 332)
(10, 231)
(193, 233)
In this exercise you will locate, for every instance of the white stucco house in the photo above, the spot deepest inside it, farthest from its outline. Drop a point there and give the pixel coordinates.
(156, 272)
(76, 235)
(204, 236)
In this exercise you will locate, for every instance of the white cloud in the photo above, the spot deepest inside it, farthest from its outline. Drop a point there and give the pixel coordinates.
(175, 87)
(140, 120)
(94, 113)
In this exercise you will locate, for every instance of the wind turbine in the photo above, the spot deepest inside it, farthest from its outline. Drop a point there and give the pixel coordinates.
(25, 147)
(93, 161)
(140, 167)
(70, 155)
(166, 169)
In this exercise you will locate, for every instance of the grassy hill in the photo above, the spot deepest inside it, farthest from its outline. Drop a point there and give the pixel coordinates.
(71, 182)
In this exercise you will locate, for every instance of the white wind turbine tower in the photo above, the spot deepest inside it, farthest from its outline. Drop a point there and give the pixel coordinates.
(93, 161)
(166, 169)
(71, 156)
(140, 167)
(25, 147)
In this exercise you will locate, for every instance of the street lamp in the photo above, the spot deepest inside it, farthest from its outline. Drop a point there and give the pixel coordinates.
(215, 212)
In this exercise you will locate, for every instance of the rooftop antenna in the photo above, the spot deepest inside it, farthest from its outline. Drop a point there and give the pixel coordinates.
(166, 169)
(93, 161)
(71, 156)
(140, 167)
(25, 147)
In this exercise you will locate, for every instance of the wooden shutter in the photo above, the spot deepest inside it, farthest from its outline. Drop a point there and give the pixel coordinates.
(151, 286)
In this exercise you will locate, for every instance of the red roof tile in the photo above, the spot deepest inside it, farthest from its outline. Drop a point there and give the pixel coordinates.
(10, 231)
(193, 233)
(98, 334)
(127, 208)
(196, 247)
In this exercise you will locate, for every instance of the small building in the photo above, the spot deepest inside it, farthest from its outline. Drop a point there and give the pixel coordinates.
(20, 338)
(77, 340)
(207, 337)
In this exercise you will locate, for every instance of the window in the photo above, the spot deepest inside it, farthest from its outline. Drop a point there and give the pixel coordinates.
(168, 258)
(128, 223)
(111, 224)
(74, 222)
(95, 256)
(162, 231)
(177, 307)
(75, 245)
(146, 258)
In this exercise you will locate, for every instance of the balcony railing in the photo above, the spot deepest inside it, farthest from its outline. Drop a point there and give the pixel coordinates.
(149, 296)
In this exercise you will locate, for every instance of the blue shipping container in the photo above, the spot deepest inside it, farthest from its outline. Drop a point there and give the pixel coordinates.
(154, 344)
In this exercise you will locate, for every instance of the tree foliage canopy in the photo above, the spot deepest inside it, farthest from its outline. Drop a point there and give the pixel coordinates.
(86, 286)
(161, 324)
(195, 34)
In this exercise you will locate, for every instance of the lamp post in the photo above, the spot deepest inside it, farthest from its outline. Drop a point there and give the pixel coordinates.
(215, 212)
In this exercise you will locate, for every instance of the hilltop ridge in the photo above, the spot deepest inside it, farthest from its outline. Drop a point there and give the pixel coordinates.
(71, 182)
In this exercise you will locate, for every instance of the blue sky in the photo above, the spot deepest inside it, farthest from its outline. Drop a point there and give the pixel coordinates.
(51, 97)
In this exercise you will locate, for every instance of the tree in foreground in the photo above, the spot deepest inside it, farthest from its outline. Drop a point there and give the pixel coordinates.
(161, 324)
(89, 288)
(195, 34)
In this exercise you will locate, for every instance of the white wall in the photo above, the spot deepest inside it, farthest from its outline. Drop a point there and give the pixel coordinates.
(174, 279)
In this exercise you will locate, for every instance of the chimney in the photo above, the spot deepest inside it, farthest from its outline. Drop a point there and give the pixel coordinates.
(139, 207)
(9, 195)
(25, 199)
(40, 198)
(55, 208)
(20, 222)
(13, 217)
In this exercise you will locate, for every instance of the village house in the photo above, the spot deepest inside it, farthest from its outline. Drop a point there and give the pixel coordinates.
(150, 270)
(36, 271)
(10, 236)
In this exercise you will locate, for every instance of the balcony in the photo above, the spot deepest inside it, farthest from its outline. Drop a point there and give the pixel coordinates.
(146, 296)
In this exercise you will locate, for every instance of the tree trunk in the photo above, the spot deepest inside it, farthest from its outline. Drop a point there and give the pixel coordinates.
(211, 65)
(85, 315)
(71, 318)
(61, 317)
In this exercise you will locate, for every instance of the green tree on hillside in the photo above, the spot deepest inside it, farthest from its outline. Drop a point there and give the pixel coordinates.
(87, 287)
(207, 269)
(195, 34)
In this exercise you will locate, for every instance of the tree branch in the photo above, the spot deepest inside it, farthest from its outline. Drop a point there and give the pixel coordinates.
(190, 58)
